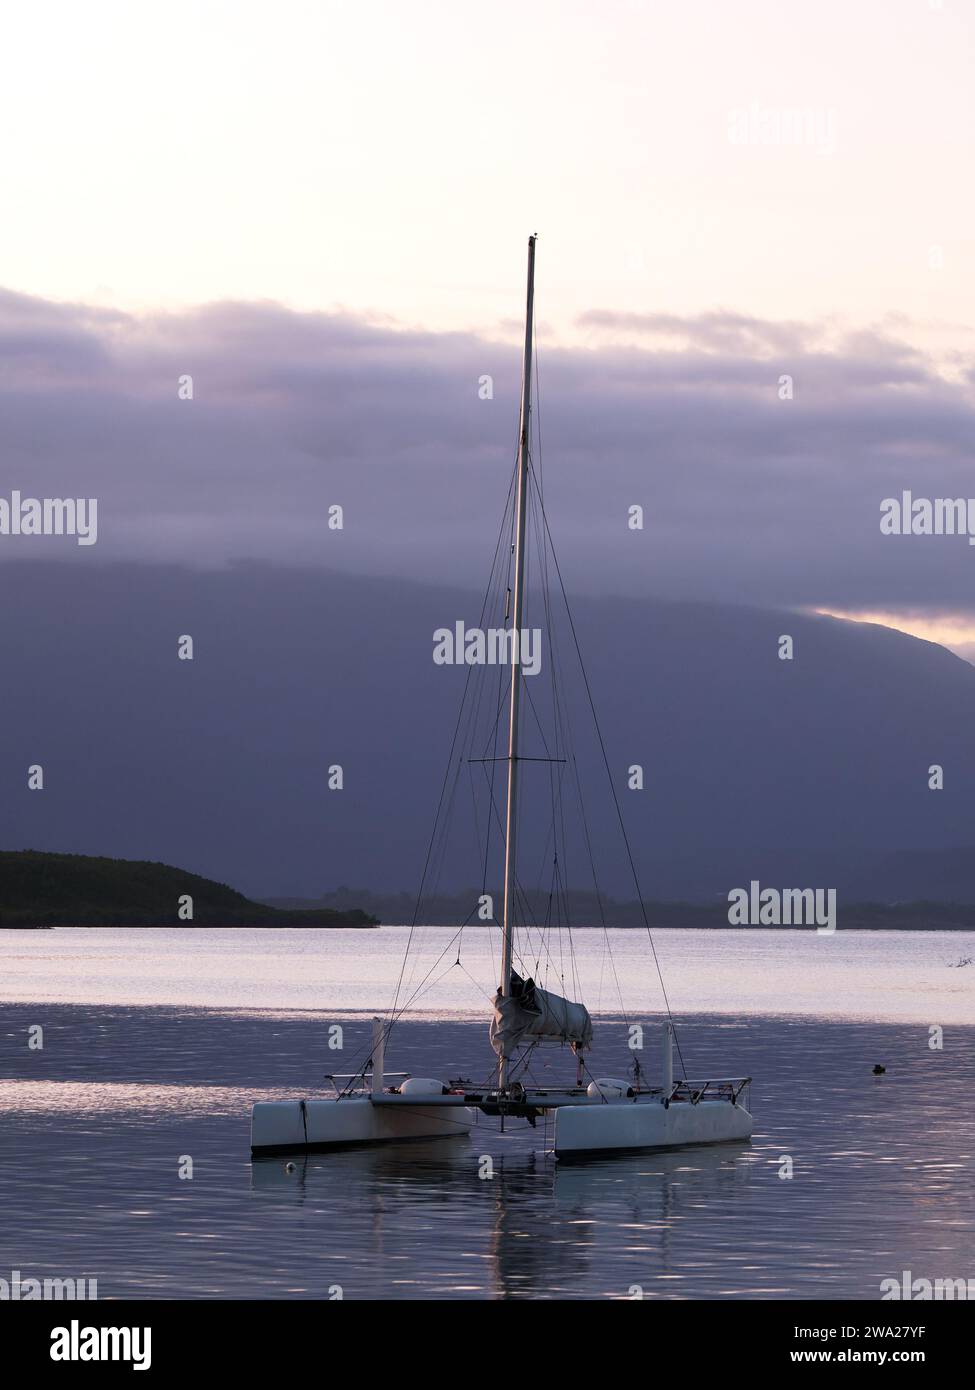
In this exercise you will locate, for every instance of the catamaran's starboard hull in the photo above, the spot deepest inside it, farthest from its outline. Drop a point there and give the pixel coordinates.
(283, 1126)
(587, 1129)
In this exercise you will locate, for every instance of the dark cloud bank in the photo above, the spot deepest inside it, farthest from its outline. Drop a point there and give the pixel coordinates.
(314, 646)
(747, 497)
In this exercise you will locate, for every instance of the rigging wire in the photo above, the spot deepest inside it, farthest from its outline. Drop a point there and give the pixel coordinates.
(609, 775)
(426, 866)
(464, 733)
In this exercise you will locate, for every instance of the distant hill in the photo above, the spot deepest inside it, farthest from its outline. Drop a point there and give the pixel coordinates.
(806, 772)
(75, 890)
(450, 910)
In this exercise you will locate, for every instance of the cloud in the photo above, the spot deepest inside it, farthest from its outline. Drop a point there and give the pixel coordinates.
(719, 331)
(747, 496)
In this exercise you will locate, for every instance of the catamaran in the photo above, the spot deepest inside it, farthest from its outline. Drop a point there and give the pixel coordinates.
(591, 1114)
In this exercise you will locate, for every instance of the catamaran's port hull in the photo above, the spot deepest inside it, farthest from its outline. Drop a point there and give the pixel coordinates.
(591, 1129)
(284, 1126)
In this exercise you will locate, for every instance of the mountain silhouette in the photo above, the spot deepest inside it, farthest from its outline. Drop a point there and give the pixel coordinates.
(813, 771)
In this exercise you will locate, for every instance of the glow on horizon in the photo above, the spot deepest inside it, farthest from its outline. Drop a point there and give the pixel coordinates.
(393, 159)
(956, 631)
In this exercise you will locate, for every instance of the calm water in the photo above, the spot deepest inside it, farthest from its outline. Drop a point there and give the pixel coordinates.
(157, 1044)
(891, 976)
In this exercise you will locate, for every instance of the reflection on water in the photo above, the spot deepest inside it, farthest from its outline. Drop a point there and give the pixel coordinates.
(857, 974)
(546, 1230)
(121, 1099)
(93, 1130)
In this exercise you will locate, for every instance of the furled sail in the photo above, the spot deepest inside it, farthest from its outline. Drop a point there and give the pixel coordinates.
(530, 1014)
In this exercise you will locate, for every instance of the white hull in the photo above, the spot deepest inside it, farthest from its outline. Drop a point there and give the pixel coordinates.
(290, 1125)
(283, 1125)
(647, 1125)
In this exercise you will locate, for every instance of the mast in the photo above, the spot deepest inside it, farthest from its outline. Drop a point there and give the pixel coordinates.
(510, 837)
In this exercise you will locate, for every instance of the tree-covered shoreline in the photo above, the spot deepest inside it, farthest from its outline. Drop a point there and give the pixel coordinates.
(77, 890)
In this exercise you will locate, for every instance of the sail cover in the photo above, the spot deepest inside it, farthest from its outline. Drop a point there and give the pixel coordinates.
(529, 1014)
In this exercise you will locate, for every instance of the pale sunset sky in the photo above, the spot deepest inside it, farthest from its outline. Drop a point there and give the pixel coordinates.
(391, 158)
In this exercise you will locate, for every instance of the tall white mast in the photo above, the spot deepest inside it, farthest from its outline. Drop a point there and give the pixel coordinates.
(519, 601)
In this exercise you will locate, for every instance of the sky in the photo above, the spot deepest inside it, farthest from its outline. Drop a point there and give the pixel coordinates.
(320, 211)
(392, 158)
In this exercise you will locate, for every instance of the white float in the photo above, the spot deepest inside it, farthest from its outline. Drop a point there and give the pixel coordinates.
(282, 1126)
(419, 1108)
(647, 1123)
